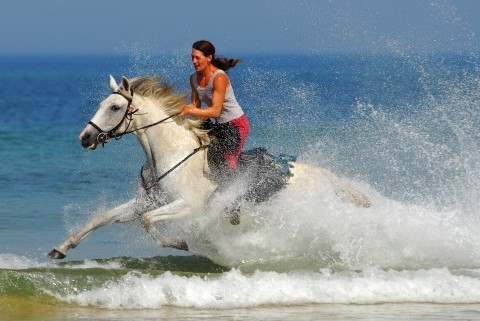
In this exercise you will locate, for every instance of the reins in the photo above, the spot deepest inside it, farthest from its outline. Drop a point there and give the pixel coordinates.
(196, 150)
(150, 125)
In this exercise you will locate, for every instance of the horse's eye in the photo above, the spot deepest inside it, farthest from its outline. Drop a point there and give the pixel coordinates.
(114, 108)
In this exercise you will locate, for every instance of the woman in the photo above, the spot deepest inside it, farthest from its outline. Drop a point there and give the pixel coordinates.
(211, 86)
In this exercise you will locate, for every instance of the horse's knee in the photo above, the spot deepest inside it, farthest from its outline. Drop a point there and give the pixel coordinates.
(146, 222)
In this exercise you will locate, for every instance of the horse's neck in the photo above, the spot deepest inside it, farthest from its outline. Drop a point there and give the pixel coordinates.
(167, 145)
(164, 144)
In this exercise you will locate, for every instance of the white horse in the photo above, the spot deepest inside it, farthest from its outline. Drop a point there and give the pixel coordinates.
(173, 183)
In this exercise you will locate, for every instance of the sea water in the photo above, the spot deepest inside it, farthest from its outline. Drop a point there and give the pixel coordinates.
(402, 129)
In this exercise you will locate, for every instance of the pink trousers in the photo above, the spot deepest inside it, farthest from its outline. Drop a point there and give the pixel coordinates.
(231, 158)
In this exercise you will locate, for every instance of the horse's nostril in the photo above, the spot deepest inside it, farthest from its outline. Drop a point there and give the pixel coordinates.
(85, 140)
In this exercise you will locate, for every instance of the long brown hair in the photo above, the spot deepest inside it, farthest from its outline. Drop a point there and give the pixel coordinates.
(207, 48)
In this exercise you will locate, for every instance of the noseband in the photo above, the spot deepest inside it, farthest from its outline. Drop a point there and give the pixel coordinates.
(104, 136)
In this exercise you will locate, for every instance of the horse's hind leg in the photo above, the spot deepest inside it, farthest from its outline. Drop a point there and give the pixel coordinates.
(121, 214)
(344, 190)
(354, 196)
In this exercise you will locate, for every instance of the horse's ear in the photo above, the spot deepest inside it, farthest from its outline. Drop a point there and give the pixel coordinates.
(125, 84)
(125, 88)
(113, 84)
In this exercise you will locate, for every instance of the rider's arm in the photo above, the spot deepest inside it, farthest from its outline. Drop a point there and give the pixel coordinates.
(220, 84)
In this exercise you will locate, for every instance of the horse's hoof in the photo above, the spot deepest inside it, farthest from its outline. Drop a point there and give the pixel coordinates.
(55, 254)
(182, 246)
(235, 219)
(234, 216)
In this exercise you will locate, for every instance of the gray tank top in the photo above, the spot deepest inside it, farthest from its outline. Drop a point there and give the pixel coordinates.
(230, 110)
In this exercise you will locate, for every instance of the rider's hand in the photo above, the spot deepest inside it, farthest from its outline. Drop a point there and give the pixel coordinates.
(186, 110)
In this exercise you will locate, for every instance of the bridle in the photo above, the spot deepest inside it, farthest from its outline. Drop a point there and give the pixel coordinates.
(103, 136)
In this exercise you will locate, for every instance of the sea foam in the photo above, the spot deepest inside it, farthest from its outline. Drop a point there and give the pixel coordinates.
(235, 289)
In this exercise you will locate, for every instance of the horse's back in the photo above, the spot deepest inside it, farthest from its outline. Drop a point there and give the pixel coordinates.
(307, 178)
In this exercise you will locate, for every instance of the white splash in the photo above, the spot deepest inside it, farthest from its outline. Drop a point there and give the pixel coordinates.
(237, 290)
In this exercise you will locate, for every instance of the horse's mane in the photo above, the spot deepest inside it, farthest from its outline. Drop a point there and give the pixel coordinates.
(173, 102)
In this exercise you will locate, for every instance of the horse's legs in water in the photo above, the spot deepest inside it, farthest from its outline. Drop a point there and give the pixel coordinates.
(174, 210)
(120, 214)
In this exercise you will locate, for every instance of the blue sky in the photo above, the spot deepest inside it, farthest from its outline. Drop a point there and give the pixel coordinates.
(89, 27)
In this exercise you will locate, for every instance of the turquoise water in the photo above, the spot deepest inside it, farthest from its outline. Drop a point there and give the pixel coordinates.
(404, 130)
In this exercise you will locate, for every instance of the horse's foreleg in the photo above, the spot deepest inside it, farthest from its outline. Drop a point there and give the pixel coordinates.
(165, 241)
(174, 210)
(120, 214)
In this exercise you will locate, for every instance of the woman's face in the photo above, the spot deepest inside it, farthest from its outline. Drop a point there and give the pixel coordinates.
(199, 61)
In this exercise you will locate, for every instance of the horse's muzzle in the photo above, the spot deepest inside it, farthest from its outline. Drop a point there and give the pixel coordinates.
(87, 140)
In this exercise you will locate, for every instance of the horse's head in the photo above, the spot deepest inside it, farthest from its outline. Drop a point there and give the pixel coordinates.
(112, 117)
